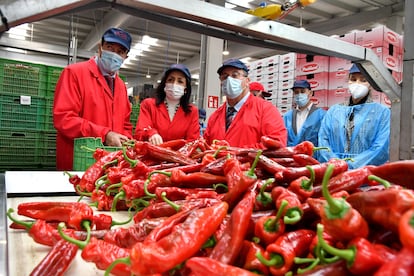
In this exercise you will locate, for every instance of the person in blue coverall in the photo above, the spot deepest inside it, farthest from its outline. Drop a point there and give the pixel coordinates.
(358, 129)
(303, 122)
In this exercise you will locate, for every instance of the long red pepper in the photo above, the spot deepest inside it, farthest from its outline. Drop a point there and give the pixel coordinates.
(279, 255)
(384, 207)
(346, 181)
(230, 243)
(182, 243)
(40, 231)
(270, 166)
(402, 265)
(406, 229)
(87, 182)
(162, 154)
(57, 261)
(398, 172)
(238, 181)
(72, 213)
(361, 256)
(305, 147)
(201, 266)
(341, 221)
(292, 173)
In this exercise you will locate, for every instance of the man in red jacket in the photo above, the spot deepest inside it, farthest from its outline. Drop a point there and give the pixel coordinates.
(243, 119)
(91, 99)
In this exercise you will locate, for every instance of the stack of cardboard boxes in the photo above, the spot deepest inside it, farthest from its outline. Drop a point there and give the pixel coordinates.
(328, 76)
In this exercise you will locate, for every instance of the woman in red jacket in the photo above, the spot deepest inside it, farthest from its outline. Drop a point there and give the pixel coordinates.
(169, 115)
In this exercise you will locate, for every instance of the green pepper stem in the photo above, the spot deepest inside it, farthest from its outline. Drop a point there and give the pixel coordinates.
(114, 222)
(210, 242)
(82, 193)
(264, 197)
(220, 185)
(26, 225)
(292, 216)
(117, 197)
(347, 254)
(321, 148)
(219, 150)
(336, 208)
(125, 260)
(81, 244)
(175, 206)
(380, 180)
(313, 264)
(271, 225)
(114, 188)
(149, 179)
(250, 172)
(307, 185)
(275, 259)
(131, 162)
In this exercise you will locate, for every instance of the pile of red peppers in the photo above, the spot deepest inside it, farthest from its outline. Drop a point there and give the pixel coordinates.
(199, 209)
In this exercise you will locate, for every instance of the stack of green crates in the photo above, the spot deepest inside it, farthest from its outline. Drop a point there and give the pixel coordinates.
(27, 136)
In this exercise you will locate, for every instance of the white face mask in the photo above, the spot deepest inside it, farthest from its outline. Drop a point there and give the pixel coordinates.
(110, 61)
(358, 90)
(174, 92)
(232, 88)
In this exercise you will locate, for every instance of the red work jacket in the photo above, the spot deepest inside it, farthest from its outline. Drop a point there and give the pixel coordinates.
(85, 107)
(256, 118)
(154, 119)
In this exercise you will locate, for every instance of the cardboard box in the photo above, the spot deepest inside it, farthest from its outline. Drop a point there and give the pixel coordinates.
(338, 79)
(380, 36)
(312, 65)
(336, 96)
(318, 81)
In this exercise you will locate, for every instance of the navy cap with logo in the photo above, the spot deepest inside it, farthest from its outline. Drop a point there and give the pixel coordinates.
(116, 35)
(301, 84)
(354, 69)
(202, 113)
(180, 67)
(233, 63)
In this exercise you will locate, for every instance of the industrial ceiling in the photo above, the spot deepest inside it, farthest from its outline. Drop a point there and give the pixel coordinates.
(73, 35)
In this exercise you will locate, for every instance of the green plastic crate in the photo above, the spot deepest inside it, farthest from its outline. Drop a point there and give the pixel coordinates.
(16, 113)
(53, 74)
(46, 149)
(49, 115)
(22, 78)
(18, 148)
(83, 158)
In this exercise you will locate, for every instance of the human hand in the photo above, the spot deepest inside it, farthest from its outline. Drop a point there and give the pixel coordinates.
(155, 139)
(114, 139)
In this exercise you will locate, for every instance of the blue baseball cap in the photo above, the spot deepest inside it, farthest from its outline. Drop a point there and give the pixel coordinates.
(116, 35)
(301, 84)
(354, 69)
(202, 113)
(233, 63)
(180, 67)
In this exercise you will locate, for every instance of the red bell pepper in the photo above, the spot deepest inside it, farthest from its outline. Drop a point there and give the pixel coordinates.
(341, 221)
(269, 228)
(179, 245)
(58, 260)
(361, 256)
(201, 266)
(227, 248)
(279, 255)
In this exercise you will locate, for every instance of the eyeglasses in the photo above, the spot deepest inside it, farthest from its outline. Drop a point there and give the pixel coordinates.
(234, 75)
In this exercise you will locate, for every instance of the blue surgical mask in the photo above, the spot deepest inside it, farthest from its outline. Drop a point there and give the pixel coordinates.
(110, 62)
(301, 99)
(232, 88)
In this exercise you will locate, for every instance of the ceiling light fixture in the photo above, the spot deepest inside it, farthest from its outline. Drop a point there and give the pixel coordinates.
(226, 50)
(301, 22)
(148, 76)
